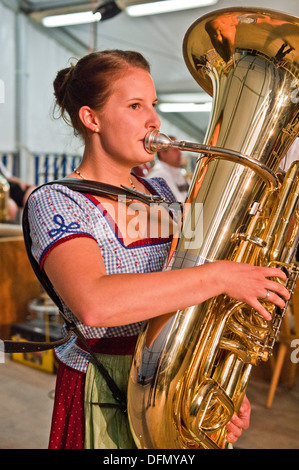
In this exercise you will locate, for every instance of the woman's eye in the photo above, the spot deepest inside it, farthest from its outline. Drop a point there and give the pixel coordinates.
(134, 105)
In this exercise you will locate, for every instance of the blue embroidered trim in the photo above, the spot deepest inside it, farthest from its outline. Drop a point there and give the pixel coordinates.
(59, 220)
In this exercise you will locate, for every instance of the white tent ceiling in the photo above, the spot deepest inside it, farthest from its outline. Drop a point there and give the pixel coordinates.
(158, 37)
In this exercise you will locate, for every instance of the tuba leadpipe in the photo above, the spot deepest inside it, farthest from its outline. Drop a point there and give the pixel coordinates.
(156, 141)
(191, 368)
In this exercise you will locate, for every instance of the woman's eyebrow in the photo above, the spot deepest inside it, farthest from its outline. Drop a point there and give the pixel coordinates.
(140, 99)
(133, 98)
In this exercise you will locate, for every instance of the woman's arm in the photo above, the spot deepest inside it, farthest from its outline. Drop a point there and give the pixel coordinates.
(77, 271)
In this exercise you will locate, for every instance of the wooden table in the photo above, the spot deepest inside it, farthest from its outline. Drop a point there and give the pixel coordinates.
(18, 283)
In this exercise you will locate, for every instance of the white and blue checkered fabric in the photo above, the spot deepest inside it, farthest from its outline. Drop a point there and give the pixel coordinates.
(58, 214)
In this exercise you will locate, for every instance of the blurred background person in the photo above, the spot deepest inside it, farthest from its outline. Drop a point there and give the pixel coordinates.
(18, 193)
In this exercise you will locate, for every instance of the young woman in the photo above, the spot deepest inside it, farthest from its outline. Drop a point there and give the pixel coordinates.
(108, 276)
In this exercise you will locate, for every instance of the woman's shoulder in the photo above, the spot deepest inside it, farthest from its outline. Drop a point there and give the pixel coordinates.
(52, 187)
(53, 191)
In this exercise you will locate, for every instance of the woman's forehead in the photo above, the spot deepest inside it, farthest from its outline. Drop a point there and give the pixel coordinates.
(133, 81)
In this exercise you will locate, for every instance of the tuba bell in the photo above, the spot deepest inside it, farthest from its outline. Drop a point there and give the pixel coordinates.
(191, 368)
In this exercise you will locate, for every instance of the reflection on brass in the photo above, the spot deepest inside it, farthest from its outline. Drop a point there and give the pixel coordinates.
(190, 373)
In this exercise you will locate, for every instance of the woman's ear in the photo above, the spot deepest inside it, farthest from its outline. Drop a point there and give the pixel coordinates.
(89, 119)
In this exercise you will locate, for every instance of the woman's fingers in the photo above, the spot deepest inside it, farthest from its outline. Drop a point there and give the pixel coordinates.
(254, 285)
(239, 422)
(280, 289)
(273, 292)
(259, 308)
(269, 290)
(275, 299)
(234, 432)
(275, 272)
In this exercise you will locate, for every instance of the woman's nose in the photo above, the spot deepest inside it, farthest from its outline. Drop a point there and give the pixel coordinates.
(154, 120)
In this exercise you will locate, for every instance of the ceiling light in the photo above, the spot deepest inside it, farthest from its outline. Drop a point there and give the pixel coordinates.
(166, 6)
(105, 11)
(108, 10)
(185, 97)
(185, 107)
(71, 19)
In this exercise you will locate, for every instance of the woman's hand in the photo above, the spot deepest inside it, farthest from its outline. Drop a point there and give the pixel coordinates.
(251, 284)
(239, 422)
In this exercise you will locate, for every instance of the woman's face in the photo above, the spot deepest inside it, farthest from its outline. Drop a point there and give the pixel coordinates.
(128, 115)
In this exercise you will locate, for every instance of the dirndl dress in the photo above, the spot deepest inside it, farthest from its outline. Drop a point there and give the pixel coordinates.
(57, 215)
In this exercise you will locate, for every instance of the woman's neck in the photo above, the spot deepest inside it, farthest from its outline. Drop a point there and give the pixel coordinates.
(109, 173)
(84, 172)
(97, 166)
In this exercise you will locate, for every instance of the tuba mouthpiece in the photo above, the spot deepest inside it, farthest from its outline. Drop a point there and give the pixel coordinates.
(155, 141)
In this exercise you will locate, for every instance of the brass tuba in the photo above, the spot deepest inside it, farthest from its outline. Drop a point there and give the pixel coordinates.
(191, 368)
